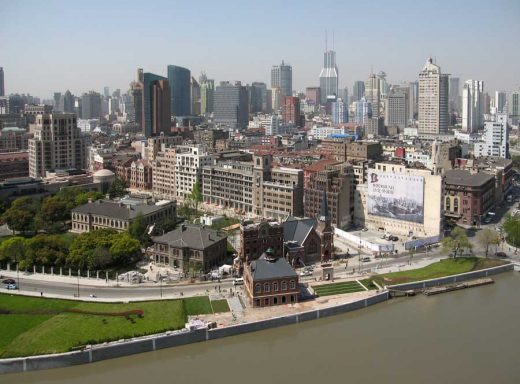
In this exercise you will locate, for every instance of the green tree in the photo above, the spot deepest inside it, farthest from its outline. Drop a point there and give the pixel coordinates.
(53, 214)
(196, 196)
(516, 162)
(48, 250)
(13, 249)
(118, 188)
(20, 216)
(456, 241)
(512, 229)
(487, 237)
(83, 252)
(139, 231)
(83, 198)
(163, 226)
(125, 249)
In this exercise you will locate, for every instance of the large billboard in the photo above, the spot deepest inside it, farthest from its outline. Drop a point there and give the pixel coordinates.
(396, 196)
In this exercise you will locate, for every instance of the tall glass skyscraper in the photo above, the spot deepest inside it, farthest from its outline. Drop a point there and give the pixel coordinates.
(179, 79)
(281, 77)
(329, 76)
(231, 107)
(359, 90)
(156, 105)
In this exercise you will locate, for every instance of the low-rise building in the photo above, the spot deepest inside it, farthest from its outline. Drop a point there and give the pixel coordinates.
(271, 281)
(257, 237)
(141, 175)
(191, 247)
(119, 214)
(14, 164)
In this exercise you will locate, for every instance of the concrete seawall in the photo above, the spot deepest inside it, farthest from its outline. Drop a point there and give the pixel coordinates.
(452, 279)
(172, 339)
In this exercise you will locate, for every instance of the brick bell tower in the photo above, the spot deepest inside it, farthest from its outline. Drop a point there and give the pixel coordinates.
(325, 231)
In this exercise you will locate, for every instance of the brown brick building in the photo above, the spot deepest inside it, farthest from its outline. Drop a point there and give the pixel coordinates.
(468, 196)
(257, 237)
(291, 110)
(271, 281)
(364, 150)
(14, 164)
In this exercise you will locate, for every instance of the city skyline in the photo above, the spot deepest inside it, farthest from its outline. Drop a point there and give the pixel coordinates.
(232, 50)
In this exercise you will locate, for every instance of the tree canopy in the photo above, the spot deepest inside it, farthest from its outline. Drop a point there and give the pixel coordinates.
(456, 242)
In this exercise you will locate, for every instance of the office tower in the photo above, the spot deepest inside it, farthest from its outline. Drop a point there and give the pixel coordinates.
(339, 111)
(281, 77)
(57, 96)
(454, 95)
(91, 105)
(276, 99)
(495, 138)
(343, 95)
(396, 110)
(156, 116)
(106, 92)
(472, 106)
(231, 106)
(291, 110)
(500, 101)
(383, 84)
(258, 97)
(362, 109)
(179, 79)
(57, 144)
(207, 95)
(328, 76)
(358, 90)
(373, 94)
(273, 125)
(513, 108)
(66, 103)
(313, 95)
(2, 85)
(136, 91)
(413, 99)
(195, 97)
(433, 99)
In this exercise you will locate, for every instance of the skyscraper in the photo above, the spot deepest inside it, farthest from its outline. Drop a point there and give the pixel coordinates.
(472, 105)
(231, 106)
(313, 95)
(328, 76)
(513, 108)
(495, 138)
(281, 77)
(433, 99)
(207, 95)
(179, 79)
(2, 86)
(137, 98)
(66, 103)
(339, 112)
(413, 99)
(195, 97)
(156, 105)
(291, 110)
(358, 90)
(373, 94)
(257, 97)
(454, 95)
(500, 101)
(106, 91)
(90, 105)
(362, 109)
(396, 110)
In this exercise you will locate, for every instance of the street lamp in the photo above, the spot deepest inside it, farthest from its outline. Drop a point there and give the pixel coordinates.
(78, 283)
(17, 272)
(160, 284)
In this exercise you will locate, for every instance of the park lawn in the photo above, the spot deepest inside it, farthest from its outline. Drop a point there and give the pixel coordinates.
(368, 283)
(220, 306)
(446, 267)
(338, 288)
(33, 334)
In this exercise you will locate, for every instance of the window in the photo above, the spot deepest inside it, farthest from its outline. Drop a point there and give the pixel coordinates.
(275, 286)
(447, 203)
(266, 301)
(258, 288)
(267, 288)
(292, 284)
(284, 285)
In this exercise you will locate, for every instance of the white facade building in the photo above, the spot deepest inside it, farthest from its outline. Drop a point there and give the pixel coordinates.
(321, 133)
(495, 138)
(362, 109)
(339, 112)
(472, 105)
(189, 161)
(433, 99)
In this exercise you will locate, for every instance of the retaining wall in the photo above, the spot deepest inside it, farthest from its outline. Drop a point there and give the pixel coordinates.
(452, 279)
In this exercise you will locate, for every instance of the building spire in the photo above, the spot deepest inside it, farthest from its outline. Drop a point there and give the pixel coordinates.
(324, 209)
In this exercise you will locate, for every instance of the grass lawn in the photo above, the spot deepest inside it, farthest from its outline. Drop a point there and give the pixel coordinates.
(442, 268)
(220, 306)
(337, 288)
(368, 283)
(228, 221)
(38, 325)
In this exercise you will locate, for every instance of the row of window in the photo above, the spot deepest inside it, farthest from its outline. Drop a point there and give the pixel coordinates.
(267, 287)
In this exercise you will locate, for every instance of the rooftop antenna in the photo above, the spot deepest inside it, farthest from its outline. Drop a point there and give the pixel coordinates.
(332, 39)
(325, 40)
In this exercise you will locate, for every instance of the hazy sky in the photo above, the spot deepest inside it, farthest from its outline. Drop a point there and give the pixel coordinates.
(48, 46)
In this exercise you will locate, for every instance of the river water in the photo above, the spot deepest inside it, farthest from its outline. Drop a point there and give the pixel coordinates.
(470, 336)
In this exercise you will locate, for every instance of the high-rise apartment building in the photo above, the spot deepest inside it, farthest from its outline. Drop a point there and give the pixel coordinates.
(258, 98)
(231, 106)
(513, 108)
(433, 99)
(313, 95)
(454, 95)
(358, 90)
(362, 110)
(90, 105)
(500, 101)
(57, 144)
(189, 161)
(328, 76)
(179, 79)
(496, 138)
(2, 84)
(472, 105)
(156, 116)
(291, 110)
(339, 112)
(65, 103)
(413, 99)
(281, 77)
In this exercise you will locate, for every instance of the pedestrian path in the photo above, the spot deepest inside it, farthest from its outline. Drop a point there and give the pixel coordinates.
(235, 305)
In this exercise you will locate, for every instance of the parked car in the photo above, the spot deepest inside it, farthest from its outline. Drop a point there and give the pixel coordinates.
(306, 273)
(8, 281)
(365, 259)
(501, 254)
(11, 286)
(393, 238)
(365, 229)
(238, 281)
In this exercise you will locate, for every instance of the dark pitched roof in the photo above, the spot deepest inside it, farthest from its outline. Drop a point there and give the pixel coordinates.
(465, 178)
(116, 210)
(297, 230)
(263, 269)
(190, 236)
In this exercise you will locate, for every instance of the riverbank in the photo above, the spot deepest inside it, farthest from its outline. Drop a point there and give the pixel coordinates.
(228, 326)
